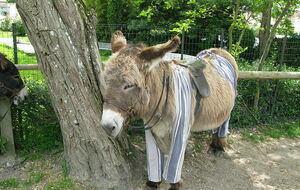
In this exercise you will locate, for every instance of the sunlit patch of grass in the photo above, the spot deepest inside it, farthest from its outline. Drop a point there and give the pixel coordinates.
(5, 34)
(254, 137)
(276, 131)
(10, 183)
(35, 177)
(63, 184)
(23, 58)
(104, 55)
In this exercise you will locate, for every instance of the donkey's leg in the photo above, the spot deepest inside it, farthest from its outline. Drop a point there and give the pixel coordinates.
(180, 134)
(155, 161)
(219, 139)
(173, 167)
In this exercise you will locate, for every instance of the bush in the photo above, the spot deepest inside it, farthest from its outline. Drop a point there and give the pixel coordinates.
(277, 101)
(292, 51)
(20, 30)
(5, 25)
(36, 127)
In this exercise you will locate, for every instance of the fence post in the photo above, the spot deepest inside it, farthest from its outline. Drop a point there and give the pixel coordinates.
(7, 130)
(182, 45)
(14, 33)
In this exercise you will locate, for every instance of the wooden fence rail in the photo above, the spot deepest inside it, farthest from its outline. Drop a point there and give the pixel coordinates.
(242, 74)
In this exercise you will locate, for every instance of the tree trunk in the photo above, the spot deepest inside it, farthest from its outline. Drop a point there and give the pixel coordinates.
(265, 25)
(66, 46)
(266, 50)
(232, 26)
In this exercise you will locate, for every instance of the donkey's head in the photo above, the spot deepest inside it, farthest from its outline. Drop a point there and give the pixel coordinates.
(126, 94)
(11, 84)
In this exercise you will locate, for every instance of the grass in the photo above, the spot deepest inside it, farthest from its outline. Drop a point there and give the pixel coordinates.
(10, 183)
(63, 184)
(48, 171)
(5, 34)
(276, 131)
(105, 55)
(23, 58)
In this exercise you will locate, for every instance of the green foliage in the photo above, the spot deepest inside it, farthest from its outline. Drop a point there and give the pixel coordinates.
(3, 142)
(278, 130)
(5, 25)
(20, 30)
(23, 57)
(292, 53)
(277, 101)
(63, 184)
(237, 49)
(197, 148)
(256, 138)
(36, 127)
(65, 168)
(35, 177)
(10, 183)
(105, 55)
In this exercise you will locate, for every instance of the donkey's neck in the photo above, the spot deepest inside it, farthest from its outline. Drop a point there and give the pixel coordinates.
(156, 85)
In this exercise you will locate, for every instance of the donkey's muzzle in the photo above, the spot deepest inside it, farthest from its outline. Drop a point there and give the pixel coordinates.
(109, 128)
(112, 122)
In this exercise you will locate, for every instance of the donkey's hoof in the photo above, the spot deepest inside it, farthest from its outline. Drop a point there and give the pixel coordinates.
(152, 185)
(218, 152)
(175, 186)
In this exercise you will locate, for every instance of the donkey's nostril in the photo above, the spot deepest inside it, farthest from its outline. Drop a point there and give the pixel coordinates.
(109, 128)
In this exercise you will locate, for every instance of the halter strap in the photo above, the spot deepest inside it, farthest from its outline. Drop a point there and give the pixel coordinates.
(145, 126)
(130, 110)
(13, 92)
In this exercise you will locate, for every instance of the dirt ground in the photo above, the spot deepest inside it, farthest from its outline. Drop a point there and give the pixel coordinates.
(272, 164)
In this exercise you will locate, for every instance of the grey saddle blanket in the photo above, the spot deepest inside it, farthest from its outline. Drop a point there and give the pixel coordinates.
(222, 65)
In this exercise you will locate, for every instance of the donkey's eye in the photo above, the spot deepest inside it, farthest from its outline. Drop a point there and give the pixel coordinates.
(129, 86)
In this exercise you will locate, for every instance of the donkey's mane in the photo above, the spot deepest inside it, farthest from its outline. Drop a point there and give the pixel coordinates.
(132, 49)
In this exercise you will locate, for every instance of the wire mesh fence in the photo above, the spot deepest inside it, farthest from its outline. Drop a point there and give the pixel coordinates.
(19, 51)
(198, 39)
(279, 99)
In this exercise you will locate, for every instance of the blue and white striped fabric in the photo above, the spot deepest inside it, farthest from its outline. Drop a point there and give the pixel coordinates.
(171, 169)
(222, 65)
(226, 70)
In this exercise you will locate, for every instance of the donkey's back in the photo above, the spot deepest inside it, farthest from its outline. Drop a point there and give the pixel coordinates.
(220, 72)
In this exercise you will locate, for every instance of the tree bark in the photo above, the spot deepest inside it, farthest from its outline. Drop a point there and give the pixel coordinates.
(266, 50)
(232, 26)
(65, 43)
(265, 25)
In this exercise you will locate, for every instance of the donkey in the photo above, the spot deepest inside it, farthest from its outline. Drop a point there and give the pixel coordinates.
(11, 84)
(173, 99)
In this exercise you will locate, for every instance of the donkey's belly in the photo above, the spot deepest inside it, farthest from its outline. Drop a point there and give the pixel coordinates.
(211, 119)
(216, 108)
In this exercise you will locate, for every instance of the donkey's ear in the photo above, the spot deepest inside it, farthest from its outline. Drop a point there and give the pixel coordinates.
(152, 53)
(118, 41)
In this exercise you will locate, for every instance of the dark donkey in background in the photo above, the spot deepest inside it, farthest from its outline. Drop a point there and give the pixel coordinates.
(11, 84)
(171, 98)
